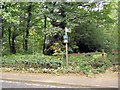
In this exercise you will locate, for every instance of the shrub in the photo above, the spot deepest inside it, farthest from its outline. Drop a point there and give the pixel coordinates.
(48, 64)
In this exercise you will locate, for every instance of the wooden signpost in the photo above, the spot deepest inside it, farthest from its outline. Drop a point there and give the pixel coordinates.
(66, 41)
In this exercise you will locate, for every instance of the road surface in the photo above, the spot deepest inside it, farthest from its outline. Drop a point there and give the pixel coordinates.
(15, 84)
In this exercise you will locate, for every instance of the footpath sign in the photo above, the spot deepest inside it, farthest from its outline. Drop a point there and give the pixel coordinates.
(66, 41)
(65, 37)
(68, 30)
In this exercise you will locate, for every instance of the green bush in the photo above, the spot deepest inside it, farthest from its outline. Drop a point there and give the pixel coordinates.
(79, 64)
(22, 63)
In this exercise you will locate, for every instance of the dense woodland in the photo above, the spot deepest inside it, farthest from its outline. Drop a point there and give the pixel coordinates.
(39, 27)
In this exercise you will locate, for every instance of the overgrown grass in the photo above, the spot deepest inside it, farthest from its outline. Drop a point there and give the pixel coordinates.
(79, 64)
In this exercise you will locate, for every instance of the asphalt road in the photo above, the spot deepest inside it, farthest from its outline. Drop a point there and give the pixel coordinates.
(15, 84)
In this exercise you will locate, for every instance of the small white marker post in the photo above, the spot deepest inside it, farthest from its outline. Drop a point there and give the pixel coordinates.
(66, 49)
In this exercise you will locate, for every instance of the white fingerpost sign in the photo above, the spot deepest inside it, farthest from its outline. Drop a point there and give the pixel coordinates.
(66, 41)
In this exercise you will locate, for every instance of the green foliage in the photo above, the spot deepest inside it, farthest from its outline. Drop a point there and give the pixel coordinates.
(79, 64)
(27, 56)
(31, 62)
(98, 58)
(91, 31)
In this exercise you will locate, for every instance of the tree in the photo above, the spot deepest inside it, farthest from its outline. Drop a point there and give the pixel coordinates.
(9, 17)
(39, 27)
(28, 26)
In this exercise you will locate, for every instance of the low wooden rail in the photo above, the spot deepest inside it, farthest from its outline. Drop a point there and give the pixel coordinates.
(89, 56)
(85, 53)
(113, 59)
(103, 57)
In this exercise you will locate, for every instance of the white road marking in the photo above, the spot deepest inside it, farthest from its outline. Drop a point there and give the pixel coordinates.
(51, 86)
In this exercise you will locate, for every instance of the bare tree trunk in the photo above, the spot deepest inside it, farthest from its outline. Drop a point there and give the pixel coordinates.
(13, 49)
(9, 29)
(23, 42)
(44, 34)
(13, 45)
(28, 26)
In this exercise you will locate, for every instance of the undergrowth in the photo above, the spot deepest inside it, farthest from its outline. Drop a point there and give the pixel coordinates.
(56, 64)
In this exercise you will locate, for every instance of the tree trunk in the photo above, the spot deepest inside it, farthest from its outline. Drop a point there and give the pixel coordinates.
(13, 45)
(2, 31)
(28, 26)
(26, 40)
(44, 34)
(9, 39)
(23, 42)
(1, 28)
(13, 49)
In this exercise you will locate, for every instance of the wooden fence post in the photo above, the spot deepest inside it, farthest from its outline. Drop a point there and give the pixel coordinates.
(113, 60)
(103, 57)
(89, 56)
